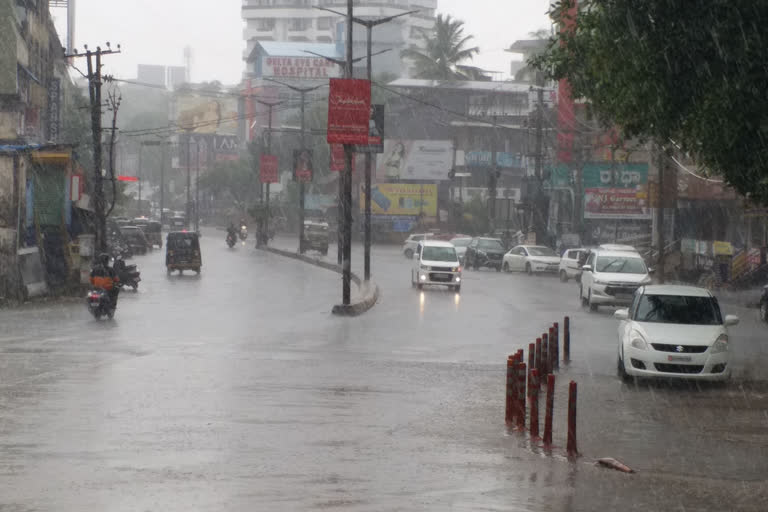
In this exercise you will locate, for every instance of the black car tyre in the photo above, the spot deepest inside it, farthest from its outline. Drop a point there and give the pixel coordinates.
(409, 253)
(475, 265)
(592, 306)
(581, 296)
(506, 267)
(498, 268)
(528, 269)
(420, 286)
(457, 288)
(169, 270)
(621, 370)
(563, 276)
(197, 271)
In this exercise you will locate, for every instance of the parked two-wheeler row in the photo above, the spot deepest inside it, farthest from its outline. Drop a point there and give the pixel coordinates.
(98, 300)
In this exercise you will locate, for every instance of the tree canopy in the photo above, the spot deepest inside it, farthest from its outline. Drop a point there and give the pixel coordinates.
(446, 49)
(689, 73)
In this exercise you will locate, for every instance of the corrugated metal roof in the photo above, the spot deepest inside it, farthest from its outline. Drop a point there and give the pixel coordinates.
(465, 85)
(294, 49)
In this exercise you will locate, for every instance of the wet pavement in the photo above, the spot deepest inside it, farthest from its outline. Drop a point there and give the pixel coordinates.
(238, 390)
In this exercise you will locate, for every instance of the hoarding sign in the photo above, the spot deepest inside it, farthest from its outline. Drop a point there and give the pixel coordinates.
(205, 114)
(503, 160)
(349, 103)
(268, 170)
(616, 193)
(337, 157)
(415, 160)
(299, 67)
(375, 132)
(302, 165)
(402, 199)
(54, 109)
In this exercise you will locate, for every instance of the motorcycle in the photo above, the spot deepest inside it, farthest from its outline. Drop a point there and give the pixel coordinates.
(243, 232)
(99, 304)
(231, 240)
(128, 275)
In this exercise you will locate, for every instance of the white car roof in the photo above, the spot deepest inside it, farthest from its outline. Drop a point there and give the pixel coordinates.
(618, 247)
(618, 254)
(435, 243)
(674, 289)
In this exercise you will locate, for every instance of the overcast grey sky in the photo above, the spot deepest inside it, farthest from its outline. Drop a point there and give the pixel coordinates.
(156, 31)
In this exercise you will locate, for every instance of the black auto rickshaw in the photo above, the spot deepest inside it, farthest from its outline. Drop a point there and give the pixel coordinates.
(182, 252)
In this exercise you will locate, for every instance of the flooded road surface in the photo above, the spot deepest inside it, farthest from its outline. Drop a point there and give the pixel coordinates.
(237, 390)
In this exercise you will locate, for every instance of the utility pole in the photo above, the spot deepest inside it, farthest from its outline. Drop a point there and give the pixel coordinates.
(660, 214)
(263, 236)
(189, 179)
(346, 200)
(94, 92)
(197, 187)
(492, 182)
(302, 92)
(139, 175)
(538, 215)
(368, 24)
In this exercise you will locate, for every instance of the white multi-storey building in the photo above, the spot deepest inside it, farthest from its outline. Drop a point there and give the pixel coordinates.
(299, 21)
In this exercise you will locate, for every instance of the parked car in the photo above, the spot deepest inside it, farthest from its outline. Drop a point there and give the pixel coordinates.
(484, 252)
(435, 262)
(531, 259)
(315, 236)
(135, 238)
(410, 244)
(764, 304)
(610, 278)
(674, 331)
(177, 223)
(461, 243)
(570, 264)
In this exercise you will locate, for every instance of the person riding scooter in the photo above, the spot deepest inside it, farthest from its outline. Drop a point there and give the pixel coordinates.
(103, 276)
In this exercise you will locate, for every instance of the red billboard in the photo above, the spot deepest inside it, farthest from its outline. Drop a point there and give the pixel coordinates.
(302, 165)
(349, 110)
(268, 169)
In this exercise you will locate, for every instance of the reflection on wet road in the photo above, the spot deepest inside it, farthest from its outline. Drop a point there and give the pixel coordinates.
(237, 390)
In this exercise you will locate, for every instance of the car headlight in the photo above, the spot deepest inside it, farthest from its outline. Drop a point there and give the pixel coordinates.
(720, 344)
(638, 342)
(425, 267)
(456, 269)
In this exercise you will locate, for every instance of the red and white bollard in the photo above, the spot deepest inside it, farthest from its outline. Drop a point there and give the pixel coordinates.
(549, 410)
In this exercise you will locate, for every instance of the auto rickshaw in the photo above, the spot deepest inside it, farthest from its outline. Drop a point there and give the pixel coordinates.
(182, 252)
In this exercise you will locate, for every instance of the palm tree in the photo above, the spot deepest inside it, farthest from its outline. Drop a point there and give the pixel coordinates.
(446, 48)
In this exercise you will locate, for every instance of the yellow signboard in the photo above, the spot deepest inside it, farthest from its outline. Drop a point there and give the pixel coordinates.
(410, 199)
(206, 114)
(722, 248)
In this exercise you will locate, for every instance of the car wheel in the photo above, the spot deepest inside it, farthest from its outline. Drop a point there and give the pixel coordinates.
(457, 288)
(621, 370)
(581, 296)
(169, 270)
(528, 269)
(506, 267)
(409, 253)
(475, 265)
(420, 286)
(413, 282)
(498, 268)
(563, 276)
(592, 306)
(197, 271)
(764, 311)
(135, 287)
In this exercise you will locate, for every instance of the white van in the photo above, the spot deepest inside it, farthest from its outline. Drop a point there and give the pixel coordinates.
(610, 278)
(436, 262)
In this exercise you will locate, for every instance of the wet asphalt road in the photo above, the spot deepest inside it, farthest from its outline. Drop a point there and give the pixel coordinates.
(237, 390)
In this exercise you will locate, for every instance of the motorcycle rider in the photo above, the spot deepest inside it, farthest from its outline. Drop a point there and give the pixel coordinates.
(103, 276)
(232, 230)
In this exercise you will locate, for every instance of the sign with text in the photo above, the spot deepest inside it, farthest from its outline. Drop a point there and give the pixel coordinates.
(375, 132)
(268, 169)
(402, 199)
(302, 165)
(415, 160)
(349, 104)
(617, 192)
(337, 158)
(503, 160)
(299, 67)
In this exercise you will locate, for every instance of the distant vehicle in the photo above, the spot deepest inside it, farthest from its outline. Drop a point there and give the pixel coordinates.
(764, 304)
(410, 244)
(531, 259)
(570, 264)
(435, 262)
(315, 236)
(153, 231)
(182, 252)
(135, 238)
(674, 331)
(610, 278)
(484, 252)
(177, 223)
(461, 243)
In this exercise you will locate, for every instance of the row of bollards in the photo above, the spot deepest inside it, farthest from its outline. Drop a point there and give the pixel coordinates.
(543, 361)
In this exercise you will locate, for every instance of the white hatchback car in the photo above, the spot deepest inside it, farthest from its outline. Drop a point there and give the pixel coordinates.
(436, 262)
(674, 331)
(610, 278)
(531, 259)
(570, 264)
(410, 244)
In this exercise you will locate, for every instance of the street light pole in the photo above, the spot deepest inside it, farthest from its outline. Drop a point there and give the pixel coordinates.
(264, 235)
(189, 178)
(197, 187)
(368, 24)
(302, 92)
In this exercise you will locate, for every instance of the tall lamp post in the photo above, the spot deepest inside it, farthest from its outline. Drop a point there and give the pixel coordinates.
(262, 237)
(302, 92)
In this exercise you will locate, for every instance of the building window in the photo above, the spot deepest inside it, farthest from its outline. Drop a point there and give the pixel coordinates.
(323, 23)
(265, 24)
(297, 24)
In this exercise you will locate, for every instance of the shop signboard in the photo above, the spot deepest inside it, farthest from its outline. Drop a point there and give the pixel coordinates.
(415, 160)
(349, 104)
(268, 169)
(402, 199)
(616, 191)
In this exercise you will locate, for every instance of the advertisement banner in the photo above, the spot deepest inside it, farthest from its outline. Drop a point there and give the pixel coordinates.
(415, 160)
(402, 199)
(349, 104)
(375, 132)
(337, 157)
(503, 160)
(54, 109)
(302, 165)
(299, 67)
(616, 193)
(268, 170)
(209, 114)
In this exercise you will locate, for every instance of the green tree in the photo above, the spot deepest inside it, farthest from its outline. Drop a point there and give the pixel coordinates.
(685, 72)
(235, 180)
(446, 49)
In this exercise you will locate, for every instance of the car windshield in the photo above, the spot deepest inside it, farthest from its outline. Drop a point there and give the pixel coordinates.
(461, 242)
(678, 309)
(621, 265)
(439, 254)
(541, 251)
(183, 242)
(490, 244)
